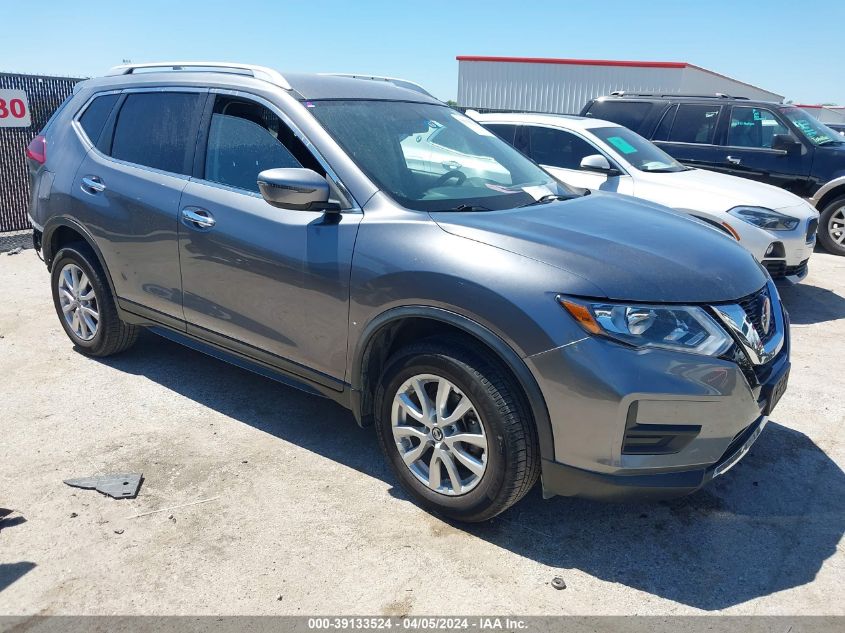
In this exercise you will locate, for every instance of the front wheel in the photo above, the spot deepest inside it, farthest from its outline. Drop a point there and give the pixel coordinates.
(455, 430)
(832, 227)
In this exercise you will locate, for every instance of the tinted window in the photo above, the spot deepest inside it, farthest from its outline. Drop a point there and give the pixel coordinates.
(665, 125)
(695, 123)
(157, 130)
(246, 138)
(95, 115)
(557, 148)
(753, 127)
(504, 131)
(629, 114)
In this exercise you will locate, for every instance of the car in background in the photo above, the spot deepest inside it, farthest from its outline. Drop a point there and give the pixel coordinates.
(775, 143)
(777, 227)
(837, 127)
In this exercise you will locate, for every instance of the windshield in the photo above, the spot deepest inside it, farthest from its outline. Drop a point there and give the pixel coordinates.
(642, 154)
(432, 158)
(813, 129)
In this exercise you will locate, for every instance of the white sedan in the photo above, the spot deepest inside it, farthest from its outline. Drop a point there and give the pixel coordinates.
(778, 227)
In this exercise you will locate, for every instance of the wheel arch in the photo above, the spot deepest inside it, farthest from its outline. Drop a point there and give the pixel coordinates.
(399, 326)
(829, 196)
(60, 231)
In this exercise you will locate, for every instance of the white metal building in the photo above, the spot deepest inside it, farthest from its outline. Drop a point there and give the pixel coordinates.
(825, 114)
(563, 86)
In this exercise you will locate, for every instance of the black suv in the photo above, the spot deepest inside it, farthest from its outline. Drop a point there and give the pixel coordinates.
(772, 142)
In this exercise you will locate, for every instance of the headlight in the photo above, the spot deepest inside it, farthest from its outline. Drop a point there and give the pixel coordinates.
(765, 218)
(680, 328)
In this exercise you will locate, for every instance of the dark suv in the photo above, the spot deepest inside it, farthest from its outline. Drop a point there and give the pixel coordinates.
(772, 142)
(492, 324)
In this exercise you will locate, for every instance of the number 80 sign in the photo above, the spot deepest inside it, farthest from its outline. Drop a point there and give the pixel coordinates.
(14, 109)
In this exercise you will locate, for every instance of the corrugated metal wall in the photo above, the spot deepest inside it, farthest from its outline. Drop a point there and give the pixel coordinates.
(565, 88)
(45, 94)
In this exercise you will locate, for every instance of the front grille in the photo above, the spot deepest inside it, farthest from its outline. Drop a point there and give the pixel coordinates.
(753, 307)
(800, 269)
(776, 267)
(812, 227)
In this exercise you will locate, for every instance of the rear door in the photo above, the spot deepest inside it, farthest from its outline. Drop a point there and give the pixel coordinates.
(688, 133)
(270, 283)
(748, 149)
(128, 186)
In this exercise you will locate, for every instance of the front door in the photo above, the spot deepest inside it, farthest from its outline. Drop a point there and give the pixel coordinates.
(268, 282)
(748, 151)
(560, 152)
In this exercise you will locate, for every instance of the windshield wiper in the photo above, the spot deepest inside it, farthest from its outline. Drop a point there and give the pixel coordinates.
(551, 197)
(469, 207)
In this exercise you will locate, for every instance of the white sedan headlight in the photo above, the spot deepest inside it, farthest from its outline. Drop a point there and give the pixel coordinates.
(765, 218)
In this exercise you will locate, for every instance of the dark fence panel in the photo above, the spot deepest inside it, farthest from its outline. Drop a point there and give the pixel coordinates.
(45, 94)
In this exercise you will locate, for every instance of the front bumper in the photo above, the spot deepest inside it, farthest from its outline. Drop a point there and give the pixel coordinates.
(648, 423)
(568, 481)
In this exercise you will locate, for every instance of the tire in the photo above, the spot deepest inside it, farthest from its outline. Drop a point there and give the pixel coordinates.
(108, 335)
(511, 456)
(832, 220)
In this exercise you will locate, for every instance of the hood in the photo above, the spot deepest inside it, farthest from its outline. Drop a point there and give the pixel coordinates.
(710, 190)
(631, 249)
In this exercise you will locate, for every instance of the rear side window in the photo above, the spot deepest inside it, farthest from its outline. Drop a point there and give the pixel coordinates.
(94, 118)
(695, 123)
(557, 148)
(244, 139)
(629, 114)
(665, 125)
(504, 131)
(157, 129)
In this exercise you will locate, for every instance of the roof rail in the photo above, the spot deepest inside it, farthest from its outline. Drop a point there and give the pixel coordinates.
(259, 72)
(402, 83)
(717, 95)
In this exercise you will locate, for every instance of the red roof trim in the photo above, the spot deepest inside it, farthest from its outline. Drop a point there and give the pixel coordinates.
(571, 62)
(804, 105)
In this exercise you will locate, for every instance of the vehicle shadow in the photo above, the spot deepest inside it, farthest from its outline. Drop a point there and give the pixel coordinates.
(766, 526)
(809, 304)
(10, 572)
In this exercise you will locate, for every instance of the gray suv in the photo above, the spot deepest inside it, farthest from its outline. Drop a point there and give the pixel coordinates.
(493, 325)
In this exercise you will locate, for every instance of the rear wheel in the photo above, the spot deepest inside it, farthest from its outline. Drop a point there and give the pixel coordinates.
(454, 428)
(832, 227)
(85, 305)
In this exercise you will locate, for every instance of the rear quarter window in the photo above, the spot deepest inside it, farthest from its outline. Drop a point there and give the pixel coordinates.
(629, 114)
(94, 117)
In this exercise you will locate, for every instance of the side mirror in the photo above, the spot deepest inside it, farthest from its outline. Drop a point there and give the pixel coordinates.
(786, 143)
(296, 188)
(598, 163)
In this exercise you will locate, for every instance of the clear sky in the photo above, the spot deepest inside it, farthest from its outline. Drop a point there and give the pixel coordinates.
(791, 47)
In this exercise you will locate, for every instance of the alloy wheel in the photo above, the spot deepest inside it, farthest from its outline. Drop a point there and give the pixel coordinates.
(836, 226)
(79, 302)
(439, 434)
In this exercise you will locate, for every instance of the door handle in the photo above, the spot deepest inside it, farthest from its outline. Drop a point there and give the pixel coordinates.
(93, 184)
(451, 164)
(733, 160)
(194, 217)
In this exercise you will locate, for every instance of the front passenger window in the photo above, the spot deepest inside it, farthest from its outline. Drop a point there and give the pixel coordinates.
(246, 138)
(753, 127)
(557, 148)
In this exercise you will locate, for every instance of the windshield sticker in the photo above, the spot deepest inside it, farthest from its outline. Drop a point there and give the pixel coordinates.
(500, 188)
(475, 127)
(813, 134)
(621, 144)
